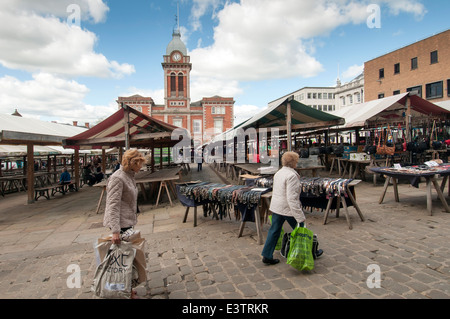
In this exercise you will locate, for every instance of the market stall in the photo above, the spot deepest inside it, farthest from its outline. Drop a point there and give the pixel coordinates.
(414, 174)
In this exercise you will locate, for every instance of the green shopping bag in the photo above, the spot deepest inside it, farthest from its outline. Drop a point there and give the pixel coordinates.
(300, 252)
(280, 239)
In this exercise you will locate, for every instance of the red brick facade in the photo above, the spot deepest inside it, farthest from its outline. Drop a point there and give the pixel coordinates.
(423, 67)
(203, 119)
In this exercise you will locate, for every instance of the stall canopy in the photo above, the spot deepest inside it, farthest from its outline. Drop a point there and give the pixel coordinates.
(126, 125)
(303, 117)
(390, 110)
(16, 130)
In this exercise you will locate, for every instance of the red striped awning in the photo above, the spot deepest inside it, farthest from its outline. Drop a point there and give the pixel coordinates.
(143, 131)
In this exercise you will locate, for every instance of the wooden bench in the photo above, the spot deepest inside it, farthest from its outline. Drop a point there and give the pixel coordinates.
(55, 188)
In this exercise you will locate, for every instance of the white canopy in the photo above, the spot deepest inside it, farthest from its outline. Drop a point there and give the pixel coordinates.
(388, 109)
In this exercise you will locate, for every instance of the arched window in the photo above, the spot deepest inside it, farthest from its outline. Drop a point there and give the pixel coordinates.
(180, 84)
(173, 84)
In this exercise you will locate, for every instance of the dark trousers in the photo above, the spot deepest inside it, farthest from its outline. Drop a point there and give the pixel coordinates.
(275, 231)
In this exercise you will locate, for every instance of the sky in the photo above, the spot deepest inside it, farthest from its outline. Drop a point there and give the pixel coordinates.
(69, 60)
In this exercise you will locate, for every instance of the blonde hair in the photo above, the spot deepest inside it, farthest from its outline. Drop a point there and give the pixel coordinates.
(131, 157)
(289, 159)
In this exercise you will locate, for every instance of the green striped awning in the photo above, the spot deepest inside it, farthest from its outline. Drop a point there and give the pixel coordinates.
(302, 116)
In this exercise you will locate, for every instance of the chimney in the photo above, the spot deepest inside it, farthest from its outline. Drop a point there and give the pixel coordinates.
(86, 124)
(75, 123)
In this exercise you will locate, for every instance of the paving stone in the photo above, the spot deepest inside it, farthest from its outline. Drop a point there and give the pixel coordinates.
(210, 261)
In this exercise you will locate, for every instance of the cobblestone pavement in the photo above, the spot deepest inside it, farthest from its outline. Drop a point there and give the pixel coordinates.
(40, 242)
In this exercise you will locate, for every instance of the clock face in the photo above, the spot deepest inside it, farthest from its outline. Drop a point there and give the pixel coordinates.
(176, 57)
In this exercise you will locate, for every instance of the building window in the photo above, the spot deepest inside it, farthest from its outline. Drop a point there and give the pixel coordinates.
(381, 73)
(448, 87)
(434, 57)
(319, 96)
(381, 95)
(343, 100)
(314, 95)
(396, 92)
(434, 90)
(414, 63)
(350, 99)
(180, 84)
(415, 90)
(218, 126)
(173, 84)
(397, 68)
(309, 95)
(197, 126)
(178, 122)
(213, 110)
(358, 97)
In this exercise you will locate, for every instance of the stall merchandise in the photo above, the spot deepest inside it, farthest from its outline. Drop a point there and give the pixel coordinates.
(242, 198)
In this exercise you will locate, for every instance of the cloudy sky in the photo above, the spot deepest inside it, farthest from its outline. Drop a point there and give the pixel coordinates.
(69, 60)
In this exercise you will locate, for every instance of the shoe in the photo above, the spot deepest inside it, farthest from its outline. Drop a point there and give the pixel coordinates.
(318, 253)
(270, 261)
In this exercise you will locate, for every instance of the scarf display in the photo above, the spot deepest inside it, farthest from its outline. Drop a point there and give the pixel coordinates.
(242, 199)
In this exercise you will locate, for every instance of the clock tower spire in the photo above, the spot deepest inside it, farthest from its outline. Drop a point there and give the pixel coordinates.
(177, 68)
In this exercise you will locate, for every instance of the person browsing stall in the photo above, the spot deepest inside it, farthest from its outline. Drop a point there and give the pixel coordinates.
(122, 192)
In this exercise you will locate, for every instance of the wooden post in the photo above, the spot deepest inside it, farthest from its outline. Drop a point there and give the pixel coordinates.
(408, 119)
(76, 160)
(126, 124)
(153, 158)
(30, 173)
(289, 124)
(104, 161)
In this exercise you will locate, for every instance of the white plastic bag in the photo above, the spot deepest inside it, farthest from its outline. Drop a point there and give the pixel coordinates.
(113, 277)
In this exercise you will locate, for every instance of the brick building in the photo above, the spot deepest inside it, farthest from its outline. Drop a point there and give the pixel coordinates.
(204, 118)
(423, 67)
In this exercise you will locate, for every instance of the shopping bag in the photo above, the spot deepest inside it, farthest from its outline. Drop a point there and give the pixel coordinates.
(280, 239)
(114, 275)
(102, 246)
(300, 252)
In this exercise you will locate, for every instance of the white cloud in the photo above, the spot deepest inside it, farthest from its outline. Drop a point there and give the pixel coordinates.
(47, 96)
(244, 112)
(269, 39)
(91, 10)
(42, 43)
(409, 6)
(353, 71)
(199, 9)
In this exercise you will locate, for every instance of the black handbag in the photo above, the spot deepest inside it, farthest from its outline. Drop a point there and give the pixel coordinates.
(285, 245)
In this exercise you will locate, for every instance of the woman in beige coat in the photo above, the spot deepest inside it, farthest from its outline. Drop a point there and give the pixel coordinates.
(285, 204)
(121, 198)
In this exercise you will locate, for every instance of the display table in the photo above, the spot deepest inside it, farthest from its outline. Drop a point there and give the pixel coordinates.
(164, 177)
(343, 199)
(414, 175)
(244, 199)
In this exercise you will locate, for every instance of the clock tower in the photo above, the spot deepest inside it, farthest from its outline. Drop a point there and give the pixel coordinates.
(177, 68)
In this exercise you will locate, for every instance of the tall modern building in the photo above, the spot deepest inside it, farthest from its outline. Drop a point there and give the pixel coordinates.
(203, 119)
(422, 67)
